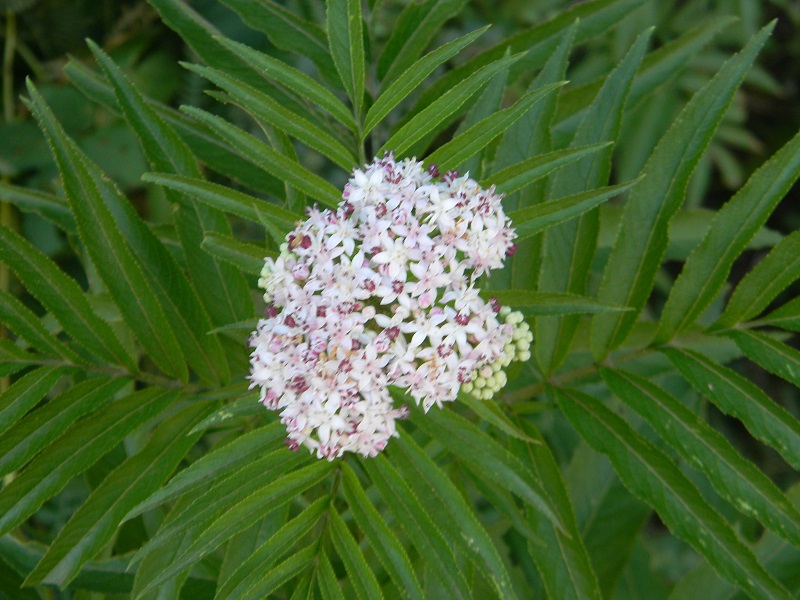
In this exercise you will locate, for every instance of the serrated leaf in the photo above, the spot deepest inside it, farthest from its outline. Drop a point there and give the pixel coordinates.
(360, 576)
(263, 156)
(248, 258)
(707, 268)
(293, 566)
(48, 206)
(75, 451)
(293, 79)
(570, 247)
(548, 303)
(346, 43)
(733, 477)
(776, 271)
(120, 270)
(413, 76)
(651, 475)
(429, 118)
(463, 146)
(533, 219)
(475, 447)
(456, 518)
(45, 425)
(519, 175)
(238, 516)
(413, 517)
(63, 298)
(287, 31)
(642, 240)
(209, 507)
(216, 463)
(412, 33)
(786, 317)
(94, 524)
(608, 515)
(776, 357)
(491, 413)
(227, 199)
(658, 67)
(383, 541)
(13, 358)
(19, 319)
(561, 557)
(538, 41)
(225, 293)
(736, 396)
(268, 110)
(247, 575)
(25, 393)
(326, 578)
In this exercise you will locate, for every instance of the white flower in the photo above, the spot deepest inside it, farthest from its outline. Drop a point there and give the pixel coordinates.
(381, 293)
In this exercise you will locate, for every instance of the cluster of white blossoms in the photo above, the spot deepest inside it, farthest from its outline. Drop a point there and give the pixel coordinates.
(381, 292)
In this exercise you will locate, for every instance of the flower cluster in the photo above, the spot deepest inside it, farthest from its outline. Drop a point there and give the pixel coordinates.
(381, 292)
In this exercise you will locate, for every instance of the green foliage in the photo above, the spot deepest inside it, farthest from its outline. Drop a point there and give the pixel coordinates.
(137, 463)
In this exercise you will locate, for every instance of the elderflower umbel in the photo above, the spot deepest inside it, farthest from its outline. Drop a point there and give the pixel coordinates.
(381, 292)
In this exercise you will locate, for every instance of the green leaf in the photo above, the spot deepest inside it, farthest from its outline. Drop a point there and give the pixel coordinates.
(776, 271)
(328, 583)
(427, 120)
(19, 319)
(219, 497)
(413, 517)
(225, 292)
(736, 479)
(120, 270)
(475, 447)
(360, 576)
(238, 516)
(533, 219)
(570, 247)
(651, 475)
(707, 268)
(642, 239)
(491, 413)
(293, 79)
(411, 34)
(218, 462)
(561, 558)
(45, 425)
(249, 258)
(786, 317)
(383, 541)
(776, 357)
(287, 31)
(75, 451)
(413, 76)
(261, 155)
(61, 296)
(657, 68)
(346, 41)
(736, 396)
(227, 199)
(270, 111)
(539, 41)
(548, 303)
(94, 524)
(608, 515)
(454, 515)
(25, 393)
(48, 206)
(463, 146)
(252, 570)
(519, 175)
(13, 358)
(297, 564)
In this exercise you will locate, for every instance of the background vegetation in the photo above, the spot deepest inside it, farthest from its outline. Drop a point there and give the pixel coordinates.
(93, 423)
